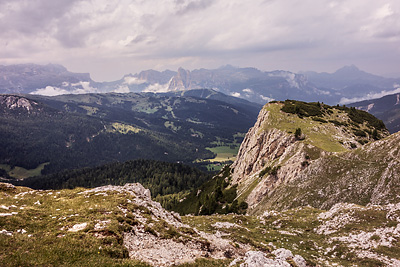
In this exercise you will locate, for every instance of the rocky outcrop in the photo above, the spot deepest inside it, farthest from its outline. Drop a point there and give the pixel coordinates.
(266, 148)
(181, 81)
(13, 102)
(260, 259)
(274, 169)
(259, 147)
(164, 240)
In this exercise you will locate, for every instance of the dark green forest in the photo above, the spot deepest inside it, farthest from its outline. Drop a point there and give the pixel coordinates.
(161, 178)
(214, 196)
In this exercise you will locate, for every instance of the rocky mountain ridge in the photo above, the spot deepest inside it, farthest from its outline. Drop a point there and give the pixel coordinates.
(327, 164)
(28, 78)
(344, 85)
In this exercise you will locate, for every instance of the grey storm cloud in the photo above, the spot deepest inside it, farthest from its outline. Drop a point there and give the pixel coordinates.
(112, 38)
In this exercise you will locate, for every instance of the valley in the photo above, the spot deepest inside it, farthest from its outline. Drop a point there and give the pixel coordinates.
(86, 130)
(198, 178)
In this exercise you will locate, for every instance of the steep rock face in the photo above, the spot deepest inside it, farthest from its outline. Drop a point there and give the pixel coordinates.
(181, 81)
(276, 170)
(259, 147)
(367, 175)
(263, 149)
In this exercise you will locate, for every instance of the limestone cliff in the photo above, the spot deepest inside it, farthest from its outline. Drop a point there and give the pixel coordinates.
(332, 160)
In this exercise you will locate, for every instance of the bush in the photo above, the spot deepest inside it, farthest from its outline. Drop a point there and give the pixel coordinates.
(360, 133)
(297, 133)
(319, 119)
(302, 109)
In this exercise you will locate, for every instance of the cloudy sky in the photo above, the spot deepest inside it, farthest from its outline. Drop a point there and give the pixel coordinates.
(113, 38)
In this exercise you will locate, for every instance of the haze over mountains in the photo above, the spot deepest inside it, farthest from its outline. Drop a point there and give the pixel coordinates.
(346, 85)
(298, 160)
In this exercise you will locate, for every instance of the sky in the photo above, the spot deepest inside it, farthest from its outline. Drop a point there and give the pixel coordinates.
(109, 39)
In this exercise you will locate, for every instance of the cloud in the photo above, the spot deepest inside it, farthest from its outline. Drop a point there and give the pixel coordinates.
(369, 96)
(236, 94)
(76, 88)
(187, 6)
(133, 80)
(112, 38)
(248, 90)
(156, 88)
(50, 91)
(83, 88)
(122, 89)
(268, 99)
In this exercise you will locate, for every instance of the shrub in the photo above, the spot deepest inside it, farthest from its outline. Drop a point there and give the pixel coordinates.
(360, 133)
(319, 119)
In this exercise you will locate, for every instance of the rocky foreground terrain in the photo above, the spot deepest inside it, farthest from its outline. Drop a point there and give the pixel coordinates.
(122, 226)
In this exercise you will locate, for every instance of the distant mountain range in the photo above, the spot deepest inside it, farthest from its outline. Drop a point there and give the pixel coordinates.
(346, 85)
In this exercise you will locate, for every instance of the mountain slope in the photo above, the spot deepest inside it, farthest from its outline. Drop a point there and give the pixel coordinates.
(333, 159)
(29, 78)
(122, 226)
(386, 108)
(177, 114)
(347, 77)
(33, 133)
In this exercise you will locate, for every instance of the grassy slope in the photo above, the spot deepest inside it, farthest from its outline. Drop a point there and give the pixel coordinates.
(22, 173)
(47, 215)
(326, 136)
(47, 242)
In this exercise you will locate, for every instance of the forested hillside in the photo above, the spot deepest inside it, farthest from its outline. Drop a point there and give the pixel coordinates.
(32, 133)
(161, 178)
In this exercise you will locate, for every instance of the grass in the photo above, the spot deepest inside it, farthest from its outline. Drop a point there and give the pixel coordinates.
(47, 215)
(295, 230)
(124, 128)
(170, 125)
(317, 133)
(90, 110)
(146, 109)
(22, 173)
(224, 153)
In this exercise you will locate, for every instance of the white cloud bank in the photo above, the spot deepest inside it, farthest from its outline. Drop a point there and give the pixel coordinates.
(133, 80)
(236, 94)
(50, 91)
(156, 88)
(77, 88)
(369, 96)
